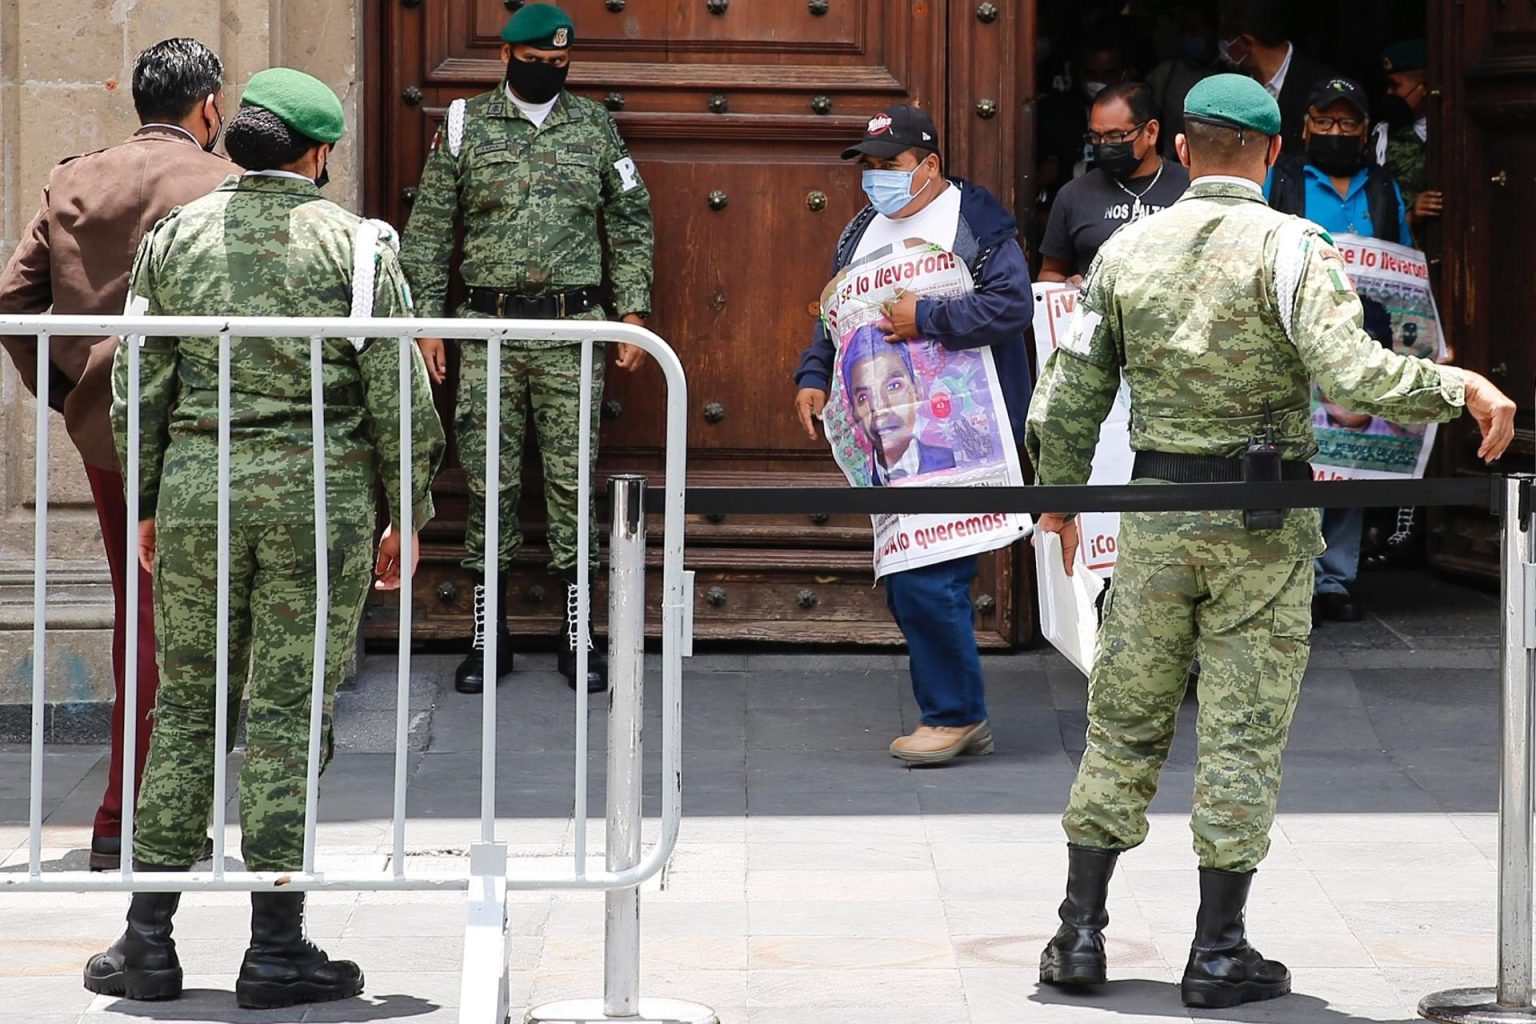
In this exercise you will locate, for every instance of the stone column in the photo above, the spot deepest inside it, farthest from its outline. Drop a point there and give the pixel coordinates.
(65, 88)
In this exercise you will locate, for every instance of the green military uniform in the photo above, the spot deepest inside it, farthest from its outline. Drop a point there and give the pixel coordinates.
(260, 245)
(1407, 160)
(1209, 308)
(530, 198)
(1406, 154)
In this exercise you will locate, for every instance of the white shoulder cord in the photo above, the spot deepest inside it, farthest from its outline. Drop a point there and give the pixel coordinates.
(364, 268)
(1292, 243)
(456, 127)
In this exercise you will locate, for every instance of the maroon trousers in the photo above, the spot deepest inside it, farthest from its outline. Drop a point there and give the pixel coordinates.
(112, 511)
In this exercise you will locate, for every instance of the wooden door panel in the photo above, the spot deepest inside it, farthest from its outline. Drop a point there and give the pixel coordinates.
(776, 31)
(735, 287)
(1483, 144)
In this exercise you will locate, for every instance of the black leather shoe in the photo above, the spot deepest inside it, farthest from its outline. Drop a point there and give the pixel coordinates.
(565, 651)
(282, 967)
(1075, 956)
(107, 852)
(142, 963)
(469, 677)
(1335, 607)
(1223, 969)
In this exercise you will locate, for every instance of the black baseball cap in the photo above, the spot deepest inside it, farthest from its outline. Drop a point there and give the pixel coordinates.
(1332, 90)
(895, 130)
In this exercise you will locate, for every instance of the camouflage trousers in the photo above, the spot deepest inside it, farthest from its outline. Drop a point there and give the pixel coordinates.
(272, 592)
(547, 381)
(1250, 625)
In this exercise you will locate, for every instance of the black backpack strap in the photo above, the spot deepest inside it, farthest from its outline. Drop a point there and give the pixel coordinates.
(1381, 199)
(848, 241)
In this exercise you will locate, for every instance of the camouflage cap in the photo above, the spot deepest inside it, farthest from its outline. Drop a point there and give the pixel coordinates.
(1405, 55)
(1236, 101)
(544, 26)
(302, 102)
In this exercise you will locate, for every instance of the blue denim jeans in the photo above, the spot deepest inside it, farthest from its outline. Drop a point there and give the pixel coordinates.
(1337, 567)
(932, 605)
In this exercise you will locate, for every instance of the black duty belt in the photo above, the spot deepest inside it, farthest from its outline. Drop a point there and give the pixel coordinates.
(553, 306)
(1204, 469)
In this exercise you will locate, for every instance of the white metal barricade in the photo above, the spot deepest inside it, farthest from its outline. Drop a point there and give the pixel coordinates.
(484, 993)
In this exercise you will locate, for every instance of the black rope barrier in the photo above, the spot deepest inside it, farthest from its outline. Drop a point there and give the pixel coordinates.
(1481, 491)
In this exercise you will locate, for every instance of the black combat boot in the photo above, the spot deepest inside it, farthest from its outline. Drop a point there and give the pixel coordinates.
(1075, 956)
(470, 675)
(1223, 969)
(565, 661)
(142, 963)
(282, 967)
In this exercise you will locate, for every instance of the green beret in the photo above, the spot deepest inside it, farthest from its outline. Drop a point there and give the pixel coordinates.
(544, 26)
(1406, 55)
(302, 102)
(1233, 100)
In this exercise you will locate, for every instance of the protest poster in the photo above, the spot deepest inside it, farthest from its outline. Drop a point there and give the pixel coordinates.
(1055, 306)
(916, 414)
(1400, 313)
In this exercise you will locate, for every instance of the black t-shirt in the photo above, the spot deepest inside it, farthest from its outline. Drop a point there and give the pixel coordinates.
(1093, 207)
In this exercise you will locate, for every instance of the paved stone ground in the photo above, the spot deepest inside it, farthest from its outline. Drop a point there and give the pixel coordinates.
(819, 880)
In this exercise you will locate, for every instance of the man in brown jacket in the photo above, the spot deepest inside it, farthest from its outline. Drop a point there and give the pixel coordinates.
(75, 258)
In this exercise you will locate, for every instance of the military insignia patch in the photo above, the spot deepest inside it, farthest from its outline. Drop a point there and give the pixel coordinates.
(561, 38)
(629, 175)
(437, 140)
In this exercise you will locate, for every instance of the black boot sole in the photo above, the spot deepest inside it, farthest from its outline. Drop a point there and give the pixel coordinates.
(1073, 971)
(276, 995)
(148, 986)
(1220, 995)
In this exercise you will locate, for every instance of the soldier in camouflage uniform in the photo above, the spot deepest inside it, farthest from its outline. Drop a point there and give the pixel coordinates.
(265, 244)
(1402, 138)
(1209, 309)
(529, 169)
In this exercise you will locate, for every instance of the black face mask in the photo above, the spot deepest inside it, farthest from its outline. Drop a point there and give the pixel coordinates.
(1337, 155)
(213, 140)
(535, 81)
(1118, 159)
(1396, 112)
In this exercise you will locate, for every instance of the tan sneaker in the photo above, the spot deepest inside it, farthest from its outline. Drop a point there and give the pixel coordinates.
(936, 744)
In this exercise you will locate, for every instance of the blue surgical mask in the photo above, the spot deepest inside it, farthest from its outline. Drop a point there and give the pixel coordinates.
(890, 191)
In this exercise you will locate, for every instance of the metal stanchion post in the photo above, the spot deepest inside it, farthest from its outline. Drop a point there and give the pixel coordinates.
(1511, 999)
(626, 711)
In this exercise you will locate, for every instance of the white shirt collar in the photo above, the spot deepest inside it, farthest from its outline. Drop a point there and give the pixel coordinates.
(174, 128)
(1421, 129)
(1229, 179)
(535, 112)
(278, 174)
(1274, 85)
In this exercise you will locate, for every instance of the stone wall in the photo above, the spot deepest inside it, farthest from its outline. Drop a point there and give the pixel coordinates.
(65, 87)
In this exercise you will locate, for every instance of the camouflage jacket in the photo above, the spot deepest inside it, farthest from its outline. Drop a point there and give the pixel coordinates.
(1406, 161)
(269, 246)
(1211, 307)
(529, 199)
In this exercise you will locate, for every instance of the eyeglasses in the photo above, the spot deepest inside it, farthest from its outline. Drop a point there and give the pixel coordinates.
(1347, 125)
(1095, 139)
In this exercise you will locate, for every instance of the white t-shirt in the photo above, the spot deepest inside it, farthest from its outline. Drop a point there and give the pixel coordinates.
(535, 112)
(938, 222)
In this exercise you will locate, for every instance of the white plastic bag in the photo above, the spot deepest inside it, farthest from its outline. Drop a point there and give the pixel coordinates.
(1067, 614)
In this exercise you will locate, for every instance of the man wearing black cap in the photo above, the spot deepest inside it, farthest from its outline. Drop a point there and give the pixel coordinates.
(1335, 186)
(910, 197)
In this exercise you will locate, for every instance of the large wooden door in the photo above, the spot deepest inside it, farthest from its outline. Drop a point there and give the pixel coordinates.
(1483, 63)
(736, 111)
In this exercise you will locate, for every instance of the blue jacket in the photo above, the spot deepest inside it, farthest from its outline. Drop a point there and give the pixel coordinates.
(997, 313)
